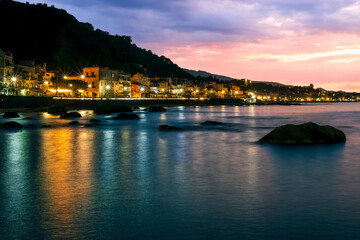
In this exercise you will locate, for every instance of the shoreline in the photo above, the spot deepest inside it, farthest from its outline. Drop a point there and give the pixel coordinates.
(41, 104)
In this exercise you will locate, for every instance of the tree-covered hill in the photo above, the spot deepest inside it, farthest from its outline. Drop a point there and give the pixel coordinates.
(47, 34)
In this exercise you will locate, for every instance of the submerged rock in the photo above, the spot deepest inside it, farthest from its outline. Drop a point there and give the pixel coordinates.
(30, 126)
(109, 109)
(169, 128)
(11, 125)
(126, 116)
(57, 110)
(74, 123)
(46, 126)
(11, 115)
(211, 123)
(306, 133)
(157, 109)
(94, 121)
(71, 115)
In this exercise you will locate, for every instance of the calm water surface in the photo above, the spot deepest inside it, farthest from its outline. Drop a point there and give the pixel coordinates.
(127, 180)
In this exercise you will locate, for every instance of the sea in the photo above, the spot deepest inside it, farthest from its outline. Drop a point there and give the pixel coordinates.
(124, 179)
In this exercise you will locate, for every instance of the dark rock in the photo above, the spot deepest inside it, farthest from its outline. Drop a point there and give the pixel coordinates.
(11, 125)
(46, 126)
(211, 123)
(157, 109)
(94, 121)
(71, 115)
(169, 128)
(30, 126)
(109, 109)
(306, 133)
(57, 110)
(136, 108)
(11, 115)
(126, 116)
(89, 125)
(74, 123)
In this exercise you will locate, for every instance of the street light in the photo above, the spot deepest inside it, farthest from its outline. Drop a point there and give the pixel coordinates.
(13, 79)
(142, 89)
(89, 85)
(108, 92)
(46, 82)
(82, 76)
(65, 77)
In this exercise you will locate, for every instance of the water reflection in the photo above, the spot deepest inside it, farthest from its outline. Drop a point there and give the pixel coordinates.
(67, 180)
(128, 180)
(15, 182)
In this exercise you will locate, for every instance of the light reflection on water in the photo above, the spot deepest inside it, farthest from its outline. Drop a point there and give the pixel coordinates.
(125, 179)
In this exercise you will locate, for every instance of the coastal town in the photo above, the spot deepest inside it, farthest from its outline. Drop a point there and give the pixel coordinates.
(27, 78)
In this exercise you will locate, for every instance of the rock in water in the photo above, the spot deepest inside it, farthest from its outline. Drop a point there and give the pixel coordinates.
(11, 115)
(94, 121)
(157, 109)
(126, 116)
(109, 109)
(74, 123)
(306, 133)
(57, 110)
(211, 123)
(169, 128)
(71, 115)
(11, 125)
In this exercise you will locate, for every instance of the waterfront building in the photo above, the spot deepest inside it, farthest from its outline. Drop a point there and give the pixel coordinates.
(6, 66)
(105, 82)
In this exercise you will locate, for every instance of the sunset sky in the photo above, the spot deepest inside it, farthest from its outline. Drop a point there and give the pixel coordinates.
(292, 42)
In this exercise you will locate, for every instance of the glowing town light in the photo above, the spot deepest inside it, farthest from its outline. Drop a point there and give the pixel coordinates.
(223, 91)
(125, 88)
(162, 89)
(181, 90)
(13, 79)
(108, 87)
(89, 85)
(211, 91)
(65, 77)
(82, 76)
(142, 89)
(60, 90)
(197, 90)
(70, 85)
(236, 92)
(22, 92)
(46, 82)
(81, 90)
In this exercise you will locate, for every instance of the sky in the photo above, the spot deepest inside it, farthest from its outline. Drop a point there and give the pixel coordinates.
(295, 42)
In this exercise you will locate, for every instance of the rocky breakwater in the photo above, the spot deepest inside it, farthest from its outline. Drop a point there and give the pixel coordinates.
(71, 115)
(108, 109)
(11, 115)
(126, 116)
(11, 125)
(306, 133)
(169, 128)
(157, 109)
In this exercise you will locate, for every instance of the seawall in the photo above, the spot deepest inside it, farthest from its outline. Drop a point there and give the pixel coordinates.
(11, 102)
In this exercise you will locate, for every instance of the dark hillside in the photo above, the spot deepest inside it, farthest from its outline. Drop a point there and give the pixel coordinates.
(46, 34)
